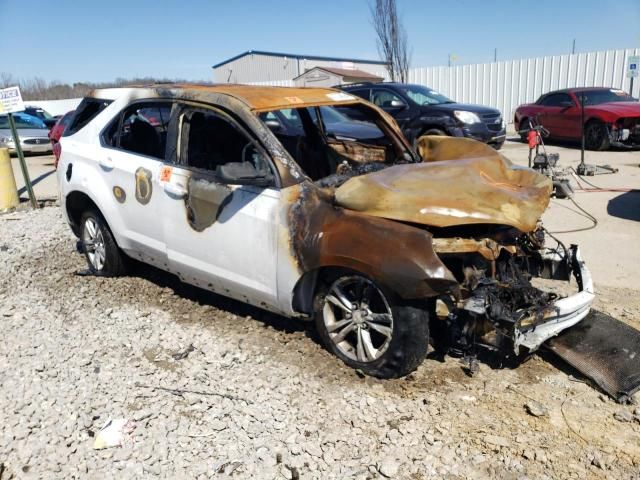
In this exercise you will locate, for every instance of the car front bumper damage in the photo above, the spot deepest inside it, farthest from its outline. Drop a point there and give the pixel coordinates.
(563, 313)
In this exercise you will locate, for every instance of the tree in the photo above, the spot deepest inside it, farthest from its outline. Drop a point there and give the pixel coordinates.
(391, 39)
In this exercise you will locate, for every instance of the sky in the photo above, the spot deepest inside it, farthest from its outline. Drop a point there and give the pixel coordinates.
(72, 41)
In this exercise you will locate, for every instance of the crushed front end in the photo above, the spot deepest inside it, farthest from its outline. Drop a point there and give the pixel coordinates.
(625, 132)
(514, 290)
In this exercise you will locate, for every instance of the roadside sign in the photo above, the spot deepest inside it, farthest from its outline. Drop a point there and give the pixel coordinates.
(11, 100)
(633, 66)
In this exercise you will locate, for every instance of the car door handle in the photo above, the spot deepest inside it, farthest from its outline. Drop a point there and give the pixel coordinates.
(175, 190)
(106, 163)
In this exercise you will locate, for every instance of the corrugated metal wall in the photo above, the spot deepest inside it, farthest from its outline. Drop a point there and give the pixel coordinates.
(505, 85)
(267, 69)
(257, 68)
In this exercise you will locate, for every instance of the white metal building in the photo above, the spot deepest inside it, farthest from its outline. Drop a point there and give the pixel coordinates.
(257, 67)
(329, 76)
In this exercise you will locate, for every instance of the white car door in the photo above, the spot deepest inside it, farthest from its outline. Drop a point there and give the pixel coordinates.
(220, 235)
(136, 149)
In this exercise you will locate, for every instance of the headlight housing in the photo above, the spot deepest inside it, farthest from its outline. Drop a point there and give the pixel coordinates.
(467, 117)
(5, 140)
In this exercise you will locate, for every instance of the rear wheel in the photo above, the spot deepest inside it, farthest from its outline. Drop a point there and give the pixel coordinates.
(99, 247)
(368, 330)
(596, 136)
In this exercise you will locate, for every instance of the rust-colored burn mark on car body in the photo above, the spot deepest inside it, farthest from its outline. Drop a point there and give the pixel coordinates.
(399, 256)
(487, 247)
(120, 194)
(204, 202)
(144, 188)
(461, 182)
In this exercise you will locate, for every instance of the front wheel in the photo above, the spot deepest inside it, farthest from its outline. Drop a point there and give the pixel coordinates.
(596, 136)
(367, 330)
(435, 131)
(100, 248)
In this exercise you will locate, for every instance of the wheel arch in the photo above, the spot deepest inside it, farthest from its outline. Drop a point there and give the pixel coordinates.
(306, 287)
(76, 203)
(415, 272)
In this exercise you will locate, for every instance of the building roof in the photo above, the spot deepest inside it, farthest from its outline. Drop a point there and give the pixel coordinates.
(345, 72)
(257, 98)
(300, 57)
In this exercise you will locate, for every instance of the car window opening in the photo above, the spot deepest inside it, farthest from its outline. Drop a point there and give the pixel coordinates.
(213, 142)
(330, 141)
(88, 109)
(143, 129)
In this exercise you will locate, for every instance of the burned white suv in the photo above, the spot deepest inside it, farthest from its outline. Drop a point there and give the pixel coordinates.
(310, 203)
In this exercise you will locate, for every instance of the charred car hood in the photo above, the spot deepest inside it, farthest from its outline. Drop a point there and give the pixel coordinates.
(460, 182)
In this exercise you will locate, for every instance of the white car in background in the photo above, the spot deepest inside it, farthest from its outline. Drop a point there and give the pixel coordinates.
(33, 133)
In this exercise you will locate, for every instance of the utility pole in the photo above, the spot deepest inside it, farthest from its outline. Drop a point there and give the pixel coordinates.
(495, 54)
(449, 60)
(573, 49)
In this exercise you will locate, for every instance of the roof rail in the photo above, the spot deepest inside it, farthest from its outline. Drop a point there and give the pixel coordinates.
(358, 84)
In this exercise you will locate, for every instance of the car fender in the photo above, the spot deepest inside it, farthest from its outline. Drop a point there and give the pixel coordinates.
(399, 257)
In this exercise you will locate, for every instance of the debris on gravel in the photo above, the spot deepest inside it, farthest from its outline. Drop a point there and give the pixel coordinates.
(536, 409)
(623, 416)
(217, 388)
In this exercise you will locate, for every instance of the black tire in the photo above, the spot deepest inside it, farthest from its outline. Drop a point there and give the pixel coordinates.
(409, 332)
(434, 131)
(524, 130)
(596, 136)
(497, 146)
(93, 226)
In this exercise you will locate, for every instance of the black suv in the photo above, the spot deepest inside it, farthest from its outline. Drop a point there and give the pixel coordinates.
(422, 111)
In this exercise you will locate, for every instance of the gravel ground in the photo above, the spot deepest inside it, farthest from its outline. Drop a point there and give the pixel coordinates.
(257, 397)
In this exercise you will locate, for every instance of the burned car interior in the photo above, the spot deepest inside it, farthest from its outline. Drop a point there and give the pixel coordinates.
(331, 142)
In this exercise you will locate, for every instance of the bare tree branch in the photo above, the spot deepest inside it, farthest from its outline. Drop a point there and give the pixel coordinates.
(391, 39)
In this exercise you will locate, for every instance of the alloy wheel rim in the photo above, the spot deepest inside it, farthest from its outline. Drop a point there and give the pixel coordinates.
(93, 242)
(358, 318)
(594, 136)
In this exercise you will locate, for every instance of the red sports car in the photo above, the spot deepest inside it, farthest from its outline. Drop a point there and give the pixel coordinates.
(611, 116)
(56, 132)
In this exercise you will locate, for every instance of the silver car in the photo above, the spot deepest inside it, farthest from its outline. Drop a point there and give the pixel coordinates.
(32, 131)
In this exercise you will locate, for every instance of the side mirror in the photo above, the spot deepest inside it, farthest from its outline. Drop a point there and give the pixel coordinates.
(273, 125)
(397, 104)
(566, 104)
(243, 173)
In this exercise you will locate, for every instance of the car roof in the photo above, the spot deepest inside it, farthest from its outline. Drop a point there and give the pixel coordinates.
(257, 98)
(577, 89)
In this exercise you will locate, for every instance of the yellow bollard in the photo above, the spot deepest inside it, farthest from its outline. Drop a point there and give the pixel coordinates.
(8, 190)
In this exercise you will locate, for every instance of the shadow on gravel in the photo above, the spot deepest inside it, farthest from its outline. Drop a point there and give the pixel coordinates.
(626, 206)
(205, 297)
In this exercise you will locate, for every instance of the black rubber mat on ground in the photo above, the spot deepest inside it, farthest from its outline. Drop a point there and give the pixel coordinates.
(605, 350)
